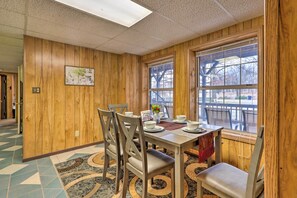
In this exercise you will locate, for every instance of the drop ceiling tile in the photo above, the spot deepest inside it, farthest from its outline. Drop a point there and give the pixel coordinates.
(162, 28)
(152, 5)
(13, 5)
(197, 15)
(11, 31)
(55, 12)
(121, 47)
(10, 41)
(11, 19)
(243, 9)
(102, 27)
(53, 31)
(139, 39)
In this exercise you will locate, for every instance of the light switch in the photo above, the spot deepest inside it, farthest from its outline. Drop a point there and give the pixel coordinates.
(36, 90)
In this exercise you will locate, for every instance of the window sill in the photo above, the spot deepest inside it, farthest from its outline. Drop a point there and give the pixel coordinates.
(239, 136)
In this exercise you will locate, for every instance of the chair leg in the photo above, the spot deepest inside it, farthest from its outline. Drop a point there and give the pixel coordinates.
(173, 182)
(144, 188)
(125, 182)
(154, 146)
(118, 170)
(199, 189)
(106, 164)
(209, 162)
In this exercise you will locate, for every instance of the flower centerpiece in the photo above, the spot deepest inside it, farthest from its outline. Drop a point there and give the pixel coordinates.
(156, 110)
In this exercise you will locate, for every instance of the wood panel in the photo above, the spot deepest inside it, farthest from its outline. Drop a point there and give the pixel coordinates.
(129, 82)
(271, 87)
(52, 117)
(280, 86)
(185, 68)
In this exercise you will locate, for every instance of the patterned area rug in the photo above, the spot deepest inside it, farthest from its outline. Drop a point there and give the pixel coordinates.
(82, 177)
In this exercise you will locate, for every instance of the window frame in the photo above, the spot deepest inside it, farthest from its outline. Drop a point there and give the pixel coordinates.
(240, 86)
(154, 64)
(256, 32)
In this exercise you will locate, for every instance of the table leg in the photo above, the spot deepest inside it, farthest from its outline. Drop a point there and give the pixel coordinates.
(218, 145)
(179, 172)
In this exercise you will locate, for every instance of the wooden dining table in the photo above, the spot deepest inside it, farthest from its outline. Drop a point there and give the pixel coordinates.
(179, 141)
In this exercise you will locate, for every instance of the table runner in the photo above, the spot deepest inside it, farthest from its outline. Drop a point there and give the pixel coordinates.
(170, 126)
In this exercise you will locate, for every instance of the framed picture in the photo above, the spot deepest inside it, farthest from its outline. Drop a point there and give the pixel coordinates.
(82, 76)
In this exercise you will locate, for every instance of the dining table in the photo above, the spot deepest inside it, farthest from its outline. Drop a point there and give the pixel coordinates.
(179, 141)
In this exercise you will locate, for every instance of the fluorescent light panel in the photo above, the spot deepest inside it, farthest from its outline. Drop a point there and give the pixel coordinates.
(124, 12)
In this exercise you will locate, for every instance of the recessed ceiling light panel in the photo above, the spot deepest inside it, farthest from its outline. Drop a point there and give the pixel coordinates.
(124, 12)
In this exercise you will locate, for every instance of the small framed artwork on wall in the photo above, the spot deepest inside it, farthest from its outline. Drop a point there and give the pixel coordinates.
(81, 76)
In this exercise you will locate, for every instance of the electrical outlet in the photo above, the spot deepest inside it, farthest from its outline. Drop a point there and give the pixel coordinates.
(76, 133)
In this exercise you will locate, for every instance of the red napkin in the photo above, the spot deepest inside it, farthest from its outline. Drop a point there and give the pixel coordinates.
(206, 147)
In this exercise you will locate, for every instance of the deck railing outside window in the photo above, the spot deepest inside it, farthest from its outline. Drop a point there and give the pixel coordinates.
(228, 79)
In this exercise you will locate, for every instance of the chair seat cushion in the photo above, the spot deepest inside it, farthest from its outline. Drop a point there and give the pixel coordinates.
(113, 149)
(227, 179)
(155, 160)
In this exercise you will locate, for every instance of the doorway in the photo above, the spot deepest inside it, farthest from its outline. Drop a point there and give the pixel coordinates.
(3, 97)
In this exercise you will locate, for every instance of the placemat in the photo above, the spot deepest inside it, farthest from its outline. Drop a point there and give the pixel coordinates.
(170, 126)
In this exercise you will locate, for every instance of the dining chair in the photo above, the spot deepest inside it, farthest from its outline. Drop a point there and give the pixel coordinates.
(118, 108)
(225, 180)
(144, 163)
(220, 117)
(249, 120)
(112, 146)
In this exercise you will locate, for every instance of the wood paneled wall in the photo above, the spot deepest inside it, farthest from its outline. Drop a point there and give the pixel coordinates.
(52, 117)
(185, 79)
(235, 152)
(280, 89)
(129, 82)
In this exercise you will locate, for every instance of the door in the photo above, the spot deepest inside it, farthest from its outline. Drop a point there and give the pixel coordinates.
(3, 97)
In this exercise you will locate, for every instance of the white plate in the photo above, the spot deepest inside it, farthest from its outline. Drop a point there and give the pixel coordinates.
(180, 122)
(198, 130)
(154, 130)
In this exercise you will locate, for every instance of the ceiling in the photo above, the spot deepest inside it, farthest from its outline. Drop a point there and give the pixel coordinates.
(172, 22)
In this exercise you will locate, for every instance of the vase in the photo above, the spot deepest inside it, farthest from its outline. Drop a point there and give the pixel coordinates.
(156, 117)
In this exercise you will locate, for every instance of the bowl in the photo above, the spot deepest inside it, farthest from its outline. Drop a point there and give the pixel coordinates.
(150, 124)
(129, 114)
(193, 125)
(181, 118)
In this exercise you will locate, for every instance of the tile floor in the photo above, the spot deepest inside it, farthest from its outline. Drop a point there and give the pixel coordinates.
(34, 179)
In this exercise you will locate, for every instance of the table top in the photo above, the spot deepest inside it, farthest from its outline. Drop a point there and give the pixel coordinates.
(178, 137)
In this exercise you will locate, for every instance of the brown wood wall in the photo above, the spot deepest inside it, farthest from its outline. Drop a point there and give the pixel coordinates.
(280, 88)
(235, 152)
(52, 117)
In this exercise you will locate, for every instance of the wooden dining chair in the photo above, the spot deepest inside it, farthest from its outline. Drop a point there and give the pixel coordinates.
(225, 180)
(144, 163)
(112, 146)
(118, 108)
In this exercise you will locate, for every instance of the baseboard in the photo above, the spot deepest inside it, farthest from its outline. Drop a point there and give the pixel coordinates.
(61, 151)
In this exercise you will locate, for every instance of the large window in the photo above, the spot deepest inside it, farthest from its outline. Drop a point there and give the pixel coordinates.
(161, 86)
(227, 85)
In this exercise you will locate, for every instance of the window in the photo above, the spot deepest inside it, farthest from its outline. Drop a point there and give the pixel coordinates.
(228, 81)
(161, 86)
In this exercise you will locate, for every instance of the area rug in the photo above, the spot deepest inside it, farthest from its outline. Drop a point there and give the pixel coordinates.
(82, 177)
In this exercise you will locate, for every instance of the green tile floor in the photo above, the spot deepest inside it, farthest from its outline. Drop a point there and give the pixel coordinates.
(34, 179)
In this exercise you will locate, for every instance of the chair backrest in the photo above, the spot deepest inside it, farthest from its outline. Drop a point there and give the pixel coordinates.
(118, 108)
(220, 117)
(109, 129)
(255, 163)
(127, 133)
(249, 120)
